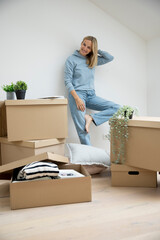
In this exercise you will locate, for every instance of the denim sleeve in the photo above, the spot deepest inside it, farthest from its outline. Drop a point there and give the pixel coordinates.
(104, 57)
(68, 75)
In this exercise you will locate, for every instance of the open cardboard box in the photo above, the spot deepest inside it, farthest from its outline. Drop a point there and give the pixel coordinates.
(143, 145)
(27, 194)
(12, 151)
(126, 176)
(33, 119)
(4, 188)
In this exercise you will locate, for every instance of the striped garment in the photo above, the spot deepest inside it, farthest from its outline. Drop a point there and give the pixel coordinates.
(38, 169)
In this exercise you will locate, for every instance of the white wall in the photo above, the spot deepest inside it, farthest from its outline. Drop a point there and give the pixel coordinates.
(38, 35)
(153, 74)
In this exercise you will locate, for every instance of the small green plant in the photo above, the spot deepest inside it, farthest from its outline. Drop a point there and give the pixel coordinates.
(8, 88)
(118, 134)
(20, 85)
(126, 112)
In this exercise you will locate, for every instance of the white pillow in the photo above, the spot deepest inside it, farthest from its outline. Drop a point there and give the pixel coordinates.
(87, 155)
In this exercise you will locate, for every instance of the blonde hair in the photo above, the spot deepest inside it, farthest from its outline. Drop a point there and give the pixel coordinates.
(92, 56)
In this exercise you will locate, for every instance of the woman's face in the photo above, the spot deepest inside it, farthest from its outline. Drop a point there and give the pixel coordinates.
(86, 47)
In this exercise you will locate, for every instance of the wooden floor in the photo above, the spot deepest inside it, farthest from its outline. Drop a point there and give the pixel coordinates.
(114, 213)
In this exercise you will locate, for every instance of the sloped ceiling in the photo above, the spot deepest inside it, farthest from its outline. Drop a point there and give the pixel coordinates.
(140, 16)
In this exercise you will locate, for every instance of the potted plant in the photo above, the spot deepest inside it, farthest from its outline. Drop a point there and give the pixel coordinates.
(20, 89)
(9, 89)
(118, 134)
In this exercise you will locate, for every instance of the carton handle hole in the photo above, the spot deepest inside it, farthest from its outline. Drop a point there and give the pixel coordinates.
(133, 173)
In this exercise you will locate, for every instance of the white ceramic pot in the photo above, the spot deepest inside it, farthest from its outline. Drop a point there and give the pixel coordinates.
(10, 95)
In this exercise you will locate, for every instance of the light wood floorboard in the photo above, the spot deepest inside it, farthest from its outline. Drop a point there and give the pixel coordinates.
(114, 214)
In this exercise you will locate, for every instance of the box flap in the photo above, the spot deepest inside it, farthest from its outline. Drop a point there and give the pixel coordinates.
(151, 122)
(8, 168)
(35, 102)
(125, 168)
(34, 143)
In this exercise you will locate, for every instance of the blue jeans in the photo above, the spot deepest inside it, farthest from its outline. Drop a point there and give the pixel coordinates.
(106, 110)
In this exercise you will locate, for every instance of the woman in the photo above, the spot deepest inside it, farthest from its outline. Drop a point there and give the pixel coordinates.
(79, 80)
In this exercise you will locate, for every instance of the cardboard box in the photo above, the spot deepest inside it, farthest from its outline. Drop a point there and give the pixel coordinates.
(36, 119)
(4, 188)
(125, 176)
(143, 145)
(26, 194)
(12, 151)
(0, 156)
(3, 123)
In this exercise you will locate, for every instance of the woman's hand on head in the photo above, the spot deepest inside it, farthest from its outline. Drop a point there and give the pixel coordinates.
(80, 104)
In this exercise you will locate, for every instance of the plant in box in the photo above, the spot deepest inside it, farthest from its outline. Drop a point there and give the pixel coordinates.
(118, 134)
(9, 89)
(20, 89)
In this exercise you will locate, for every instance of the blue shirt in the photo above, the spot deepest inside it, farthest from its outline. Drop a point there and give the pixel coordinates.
(77, 74)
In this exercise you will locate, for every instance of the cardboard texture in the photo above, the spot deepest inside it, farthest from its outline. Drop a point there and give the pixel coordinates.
(3, 124)
(12, 151)
(36, 119)
(0, 155)
(4, 188)
(26, 194)
(125, 176)
(143, 145)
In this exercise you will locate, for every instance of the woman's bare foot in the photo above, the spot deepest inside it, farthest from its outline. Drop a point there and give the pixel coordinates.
(88, 119)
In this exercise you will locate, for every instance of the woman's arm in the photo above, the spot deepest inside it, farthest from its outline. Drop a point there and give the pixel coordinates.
(68, 75)
(104, 57)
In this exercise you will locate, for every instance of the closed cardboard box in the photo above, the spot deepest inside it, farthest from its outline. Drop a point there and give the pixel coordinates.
(38, 193)
(12, 151)
(143, 145)
(126, 176)
(36, 119)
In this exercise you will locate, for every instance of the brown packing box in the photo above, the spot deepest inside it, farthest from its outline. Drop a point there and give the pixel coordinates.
(4, 188)
(26, 194)
(34, 119)
(0, 155)
(143, 145)
(12, 151)
(126, 176)
(3, 127)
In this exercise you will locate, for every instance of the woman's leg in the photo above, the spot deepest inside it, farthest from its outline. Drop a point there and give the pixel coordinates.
(106, 108)
(79, 118)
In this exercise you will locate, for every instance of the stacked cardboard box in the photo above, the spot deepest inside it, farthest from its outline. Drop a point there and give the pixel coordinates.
(35, 130)
(142, 154)
(127, 176)
(13, 151)
(31, 127)
(36, 119)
